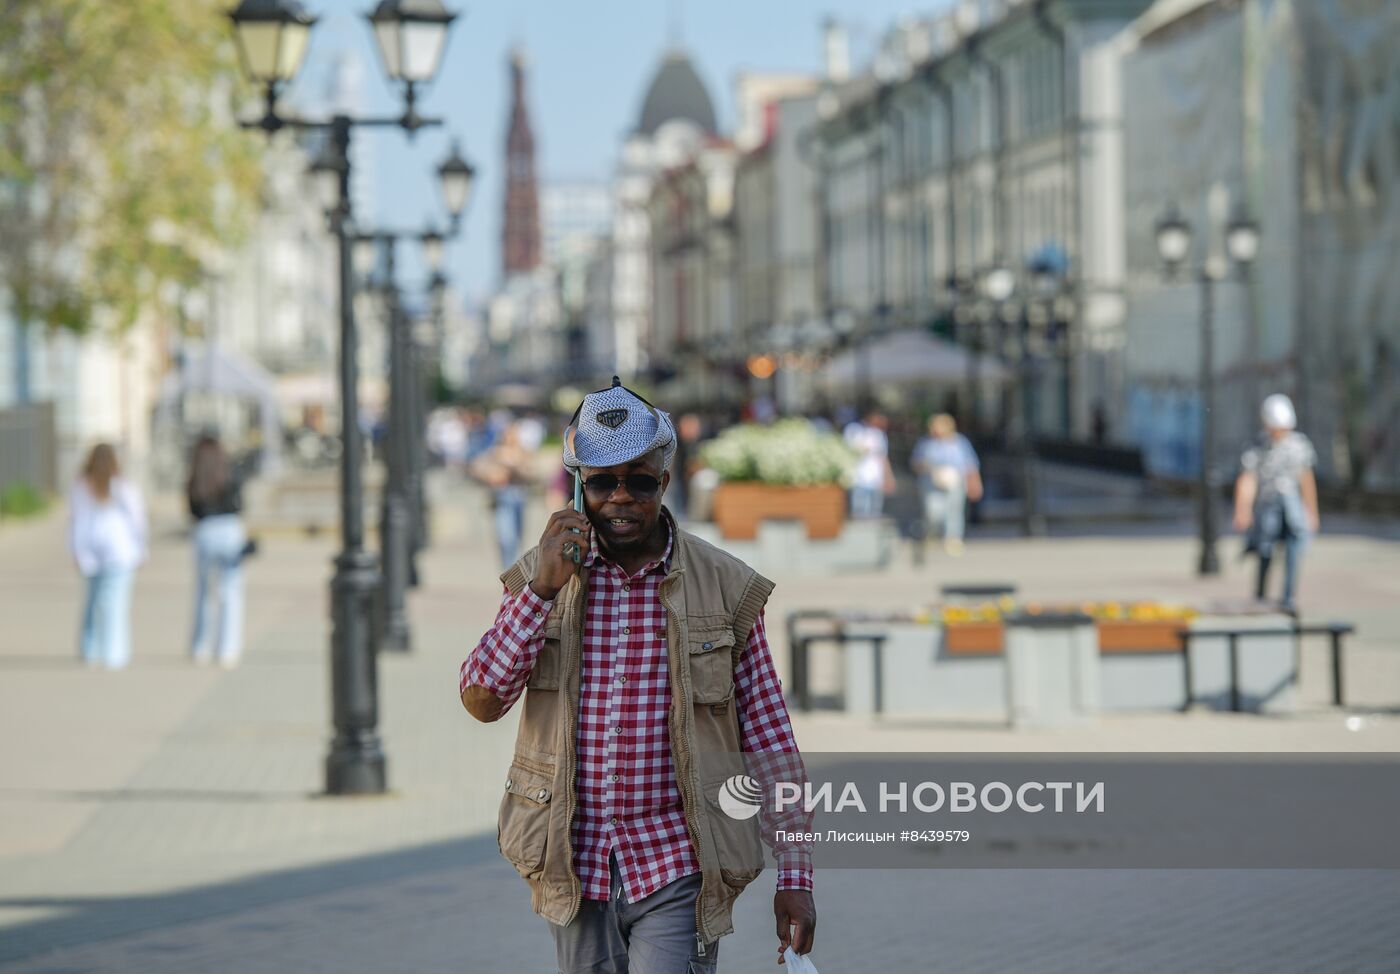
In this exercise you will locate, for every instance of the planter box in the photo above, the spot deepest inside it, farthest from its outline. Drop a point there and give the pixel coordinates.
(974, 638)
(1139, 636)
(1115, 636)
(739, 507)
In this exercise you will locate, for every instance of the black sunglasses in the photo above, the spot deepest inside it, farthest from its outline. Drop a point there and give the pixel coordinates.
(639, 485)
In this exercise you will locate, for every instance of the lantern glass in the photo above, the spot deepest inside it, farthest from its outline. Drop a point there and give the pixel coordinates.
(422, 46)
(1242, 240)
(386, 36)
(455, 179)
(411, 36)
(1173, 238)
(271, 36)
(433, 251)
(998, 284)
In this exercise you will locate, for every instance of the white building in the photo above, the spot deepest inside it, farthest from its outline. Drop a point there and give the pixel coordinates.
(677, 118)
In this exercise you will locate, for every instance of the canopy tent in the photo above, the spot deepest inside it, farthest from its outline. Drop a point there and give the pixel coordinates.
(909, 357)
(210, 369)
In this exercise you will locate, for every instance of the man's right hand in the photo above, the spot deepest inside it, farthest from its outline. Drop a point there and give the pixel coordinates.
(556, 565)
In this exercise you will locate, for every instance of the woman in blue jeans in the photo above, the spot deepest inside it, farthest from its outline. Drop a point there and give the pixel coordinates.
(107, 535)
(215, 493)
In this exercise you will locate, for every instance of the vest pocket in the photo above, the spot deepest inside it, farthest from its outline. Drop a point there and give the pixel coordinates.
(737, 843)
(523, 824)
(711, 665)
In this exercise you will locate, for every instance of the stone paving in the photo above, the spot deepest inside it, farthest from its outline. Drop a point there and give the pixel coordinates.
(166, 818)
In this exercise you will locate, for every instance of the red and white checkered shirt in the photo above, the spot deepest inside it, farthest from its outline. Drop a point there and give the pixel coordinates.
(628, 799)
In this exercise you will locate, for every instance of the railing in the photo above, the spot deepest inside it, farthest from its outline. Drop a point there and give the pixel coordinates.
(1335, 631)
(835, 631)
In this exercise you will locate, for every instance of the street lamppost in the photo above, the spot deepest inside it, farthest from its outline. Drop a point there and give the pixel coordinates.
(1242, 248)
(402, 516)
(272, 37)
(1029, 315)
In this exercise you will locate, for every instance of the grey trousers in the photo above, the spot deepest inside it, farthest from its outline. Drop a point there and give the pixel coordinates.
(655, 935)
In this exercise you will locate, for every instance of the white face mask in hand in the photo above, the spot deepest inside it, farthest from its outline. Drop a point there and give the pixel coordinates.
(795, 963)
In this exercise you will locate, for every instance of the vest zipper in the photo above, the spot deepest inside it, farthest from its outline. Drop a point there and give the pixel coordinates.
(687, 793)
(571, 747)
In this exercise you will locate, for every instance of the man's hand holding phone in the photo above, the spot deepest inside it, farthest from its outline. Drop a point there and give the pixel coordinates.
(563, 546)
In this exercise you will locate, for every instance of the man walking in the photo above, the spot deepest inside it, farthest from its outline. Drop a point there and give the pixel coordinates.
(644, 655)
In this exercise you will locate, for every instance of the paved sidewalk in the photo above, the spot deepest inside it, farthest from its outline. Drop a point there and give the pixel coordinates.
(166, 818)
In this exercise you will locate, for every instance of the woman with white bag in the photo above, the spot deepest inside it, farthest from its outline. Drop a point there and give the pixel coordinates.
(949, 477)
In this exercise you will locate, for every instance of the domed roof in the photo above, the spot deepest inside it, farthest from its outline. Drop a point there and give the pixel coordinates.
(677, 93)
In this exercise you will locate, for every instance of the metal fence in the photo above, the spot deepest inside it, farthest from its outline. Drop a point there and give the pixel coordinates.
(28, 447)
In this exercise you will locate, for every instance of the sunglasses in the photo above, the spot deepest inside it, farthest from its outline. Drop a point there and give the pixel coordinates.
(639, 485)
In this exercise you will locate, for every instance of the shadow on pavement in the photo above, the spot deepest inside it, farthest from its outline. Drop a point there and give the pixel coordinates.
(92, 919)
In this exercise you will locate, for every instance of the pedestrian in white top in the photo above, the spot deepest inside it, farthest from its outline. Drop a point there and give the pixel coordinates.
(873, 477)
(107, 534)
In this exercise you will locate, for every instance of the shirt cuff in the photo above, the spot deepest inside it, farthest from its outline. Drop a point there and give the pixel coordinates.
(795, 871)
(532, 609)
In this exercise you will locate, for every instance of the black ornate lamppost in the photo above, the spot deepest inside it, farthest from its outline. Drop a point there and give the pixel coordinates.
(402, 526)
(1030, 320)
(1241, 248)
(272, 37)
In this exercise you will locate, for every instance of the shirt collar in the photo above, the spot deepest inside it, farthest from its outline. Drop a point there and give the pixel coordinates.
(664, 562)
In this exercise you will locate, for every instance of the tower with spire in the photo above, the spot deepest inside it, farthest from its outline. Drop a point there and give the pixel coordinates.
(520, 241)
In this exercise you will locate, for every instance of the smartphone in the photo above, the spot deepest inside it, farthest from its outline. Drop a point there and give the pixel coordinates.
(578, 506)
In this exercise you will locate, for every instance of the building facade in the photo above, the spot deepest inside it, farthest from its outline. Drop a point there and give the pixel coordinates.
(1274, 109)
(985, 140)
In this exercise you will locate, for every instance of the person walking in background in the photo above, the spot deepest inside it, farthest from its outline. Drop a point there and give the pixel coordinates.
(215, 494)
(505, 468)
(1276, 495)
(107, 534)
(873, 477)
(949, 477)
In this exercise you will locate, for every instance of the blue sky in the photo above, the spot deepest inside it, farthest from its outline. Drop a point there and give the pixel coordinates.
(590, 64)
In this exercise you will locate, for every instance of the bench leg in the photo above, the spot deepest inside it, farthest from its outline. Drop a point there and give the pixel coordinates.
(1336, 669)
(1234, 673)
(1186, 672)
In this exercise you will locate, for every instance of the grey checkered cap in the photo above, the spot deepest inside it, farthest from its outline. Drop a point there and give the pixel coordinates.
(615, 426)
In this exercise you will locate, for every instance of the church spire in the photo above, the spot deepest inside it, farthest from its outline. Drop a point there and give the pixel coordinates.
(520, 243)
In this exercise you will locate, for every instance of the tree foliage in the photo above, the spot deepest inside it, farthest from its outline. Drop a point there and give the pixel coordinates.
(121, 167)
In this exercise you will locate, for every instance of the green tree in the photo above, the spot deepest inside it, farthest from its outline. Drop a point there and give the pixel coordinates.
(120, 162)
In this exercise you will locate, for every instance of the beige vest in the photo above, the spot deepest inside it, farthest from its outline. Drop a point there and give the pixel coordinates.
(712, 601)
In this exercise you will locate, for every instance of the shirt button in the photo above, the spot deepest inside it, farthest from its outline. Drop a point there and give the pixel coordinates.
(617, 729)
(613, 777)
(627, 588)
(626, 631)
(621, 680)
(613, 820)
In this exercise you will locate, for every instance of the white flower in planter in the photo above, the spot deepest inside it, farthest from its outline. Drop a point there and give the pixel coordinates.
(788, 452)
